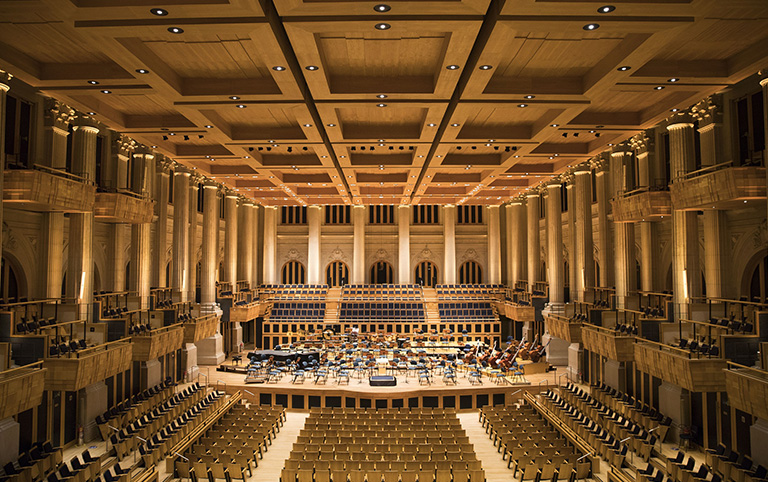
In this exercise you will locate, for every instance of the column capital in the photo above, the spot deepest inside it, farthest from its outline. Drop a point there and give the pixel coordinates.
(709, 111)
(679, 120)
(315, 206)
(84, 123)
(145, 151)
(764, 80)
(208, 184)
(532, 194)
(5, 79)
(57, 114)
(180, 170)
(358, 206)
(230, 194)
(403, 206)
(642, 143)
(621, 150)
(122, 145)
(554, 183)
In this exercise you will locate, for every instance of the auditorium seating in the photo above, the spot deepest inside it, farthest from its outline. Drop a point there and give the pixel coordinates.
(294, 292)
(293, 312)
(468, 291)
(473, 311)
(378, 292)
(343, 444)
(372, 311)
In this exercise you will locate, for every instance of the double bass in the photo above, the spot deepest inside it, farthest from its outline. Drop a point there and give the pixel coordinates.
(525, 352)
(538, 353)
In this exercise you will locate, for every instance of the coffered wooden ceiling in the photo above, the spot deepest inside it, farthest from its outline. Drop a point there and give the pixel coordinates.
(307, 101)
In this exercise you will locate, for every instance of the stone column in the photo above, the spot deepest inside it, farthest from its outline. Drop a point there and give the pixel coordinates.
(604, 244)
(555, 248)
(644, 146)
(449, 249)
(626, 267)
(314, 268)
(404, 244)
(764, 85)
(51, 255)
(117, 238)
(210, 249)
(245, 243)
(5, 80)
(255, 267)
(494, 245)
(230, 240)
(270, 245)
(141, 242)
(585, 264)
(80, 263)
(358, 249)
(570, 192)
(160, 246)
(534, 247)
(686, 270)
(180, 233)
(56, 130)
(194, 182)
(516, 246)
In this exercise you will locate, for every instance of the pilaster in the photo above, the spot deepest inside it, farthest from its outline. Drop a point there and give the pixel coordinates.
(404, 244)
(358, 250)
(270, 242)
(449, 248)
(555, 248)
(180, 233)
(313, 254)
(534, 261)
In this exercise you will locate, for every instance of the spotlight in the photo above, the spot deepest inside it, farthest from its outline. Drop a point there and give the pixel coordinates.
(261, 148)
(160, 12)
(597, 134)
(290, 149)
(304, 148)
(93, 82)
(175, 29)
(486, 67)
(142, 71)
(565, 134)
(506, 149)
(382, 26)
(250, 149)
(186, 138)
(624, 68)
(382, 8)
(591, 26)
(606, 9)
(279, 68)
(312, 67)
(106, 91)
(575, 134)
(452, 67)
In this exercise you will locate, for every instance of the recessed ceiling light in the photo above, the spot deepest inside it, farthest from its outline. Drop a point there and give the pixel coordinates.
(175, 29)
(106, 91)
(673, 79)
(382, 8)
(658, 87)
(234, 97)
(312, 67)
(307, 125)
(154, 147)
(674, 110)
(382, 96)
(142, 71)
(271, 141)
(606, 9)
(160, 12)
(382, 26)
(554, 125)
(279, 68)
(209, 126)
(624, 68)
(241, 106)
(331, 125)
(591, 26)
(381, 105)
(454, 125)
(530, 96)
(171, 133)
(91, 113)
(522, 105)
(486, 67)
(452, 67)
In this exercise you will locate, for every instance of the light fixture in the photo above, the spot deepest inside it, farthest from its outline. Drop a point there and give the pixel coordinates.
(606, 9)
(658, 87)
(142, 71)
(382, 96)
(431, 124)
(452, 67)
(171, 133)
(160, 12)
(234, 97)
(382, 26)
(106, 91)
(382, 8)
(673, 79)
(93, 82)
(331, 125)
(312, 67)
(454, 125)
(241, 106)
(674, 109)
(522, 105)
(554, 125)
(91, 113)
(381, 105)
(624, 68)
(591, 26)
(307, 125)
(279, 68)
(154, 147)
(175, 29)
(209, 126)
(529, 96)
(486, 67)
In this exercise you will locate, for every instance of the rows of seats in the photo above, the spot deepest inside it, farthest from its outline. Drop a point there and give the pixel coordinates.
(232, 447)
(467, 291)
(531, 446)
(294, 291)
(86, 470)
(637, 410)
(33, 465)
(681, 469)
(63, 346)
(381, 292)
(33, 324)
(471, 311)
(128, 411)
(283, 311)
(360, 311)
(732, 466)
(343, 445)
(113, 312)
(742, 325)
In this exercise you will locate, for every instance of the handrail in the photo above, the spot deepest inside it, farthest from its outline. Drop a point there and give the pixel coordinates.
(581, 444)
(640, 190)
(124, 192)
(738, 302)
(61, 173)
(201, 429)
(200, 319)
(115, 293)
(704, 170)
(662, 347)
(4, 306)
(157, 331)
(655, 293)
(606, 331)
(750, 371)
(20, 371)
(102, 347)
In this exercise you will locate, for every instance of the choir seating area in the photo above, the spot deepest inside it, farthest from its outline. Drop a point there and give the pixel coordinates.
(468, 291)
(292, 312)
(376, 292)
(473, 311)
(342, 444)
(381, 312)
(293, 292)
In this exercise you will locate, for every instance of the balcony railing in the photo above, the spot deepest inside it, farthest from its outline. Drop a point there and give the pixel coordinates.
(21, 389)
(44, 189)
(719, 187)
(643, 204)
(123, 206)
(678, 367)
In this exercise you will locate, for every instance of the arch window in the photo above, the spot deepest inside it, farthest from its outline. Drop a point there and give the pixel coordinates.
(293, 273)
(337, 274)
(9, 283)
(381, 273)
(426, 274)
(470, 273)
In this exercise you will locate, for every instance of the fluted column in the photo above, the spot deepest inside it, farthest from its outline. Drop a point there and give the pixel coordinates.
(141, 242)
(255, 266)
(358, 249)
(585, 265)
(230, 239)
(160, 244)
(555, 248)
(604, 244)
(314, 267)
(570, 192)
(626, 267)
(764, 85)
(180, 232)
(51, 255)
(55, 131)
(534, 247)
(644, 145)
(210, 241)
(516, 242)
(449, 248)
(118, 236)
(686, 265)
(270, 245)
(494, 245)
(192, 280)
(245, 243)
(404, 244)
(80, 262)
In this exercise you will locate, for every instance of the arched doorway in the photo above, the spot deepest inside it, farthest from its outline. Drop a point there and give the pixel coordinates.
(293, 273)
(758, 282)
(381, 273)
(337, 274)
(9, 282)
(426, 274)
(470, 273)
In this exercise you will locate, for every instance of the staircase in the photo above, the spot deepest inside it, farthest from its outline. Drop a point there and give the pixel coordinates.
(332, 305)
(431, 305)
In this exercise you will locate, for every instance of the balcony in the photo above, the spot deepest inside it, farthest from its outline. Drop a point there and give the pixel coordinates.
(608, 343)
(641, 205)
(88, 366)
(747, 389)
(44, 189)
(156, 343)
(200, 328)
(123, 207)
(247, 312)
(719, 187)
(678, 366)
(21, 389)
(563, 328)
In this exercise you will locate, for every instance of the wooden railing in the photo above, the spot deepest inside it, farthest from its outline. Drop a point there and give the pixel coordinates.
(88, 366)
(677, 366)
(21, 389)
(747, 389)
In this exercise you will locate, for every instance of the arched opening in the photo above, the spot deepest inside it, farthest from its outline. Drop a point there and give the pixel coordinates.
(426, 274)
(293, 273)
(167, 275)
(127, 276)
(470, 273)
(757, 288)
(597, 273)
(10, 289)
(381, 273)
(337, 274)
(96, 279)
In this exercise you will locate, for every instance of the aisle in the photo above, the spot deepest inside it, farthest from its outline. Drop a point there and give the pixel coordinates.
(272, 464)
(495, 469)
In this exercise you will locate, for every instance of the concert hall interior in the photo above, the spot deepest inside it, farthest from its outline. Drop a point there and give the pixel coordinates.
(398, 240)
